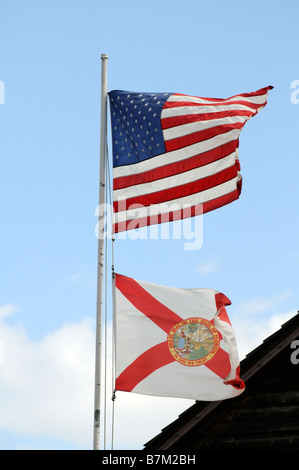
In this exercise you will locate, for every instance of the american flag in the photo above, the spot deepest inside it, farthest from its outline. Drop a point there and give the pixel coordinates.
(175, 155)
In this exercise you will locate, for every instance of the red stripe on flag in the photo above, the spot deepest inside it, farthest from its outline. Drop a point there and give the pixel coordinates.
(178, 167)
(146, 303)
(236, 382)
(195, 137)
(173, 121)
(223, 315)
(151, 360)
(180, 214)
(213, 104)
(214, 101)
(220, 364)
(180, 191)
(221, 300)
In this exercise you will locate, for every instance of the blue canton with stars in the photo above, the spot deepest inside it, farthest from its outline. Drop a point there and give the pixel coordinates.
(136, 126)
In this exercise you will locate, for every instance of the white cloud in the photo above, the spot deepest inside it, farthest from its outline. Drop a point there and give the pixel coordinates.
(82, 277)
(251, 331)
(278, 320)
(254, 320)
(205, 268)
(261, 304)
(7, 310)
(47, 385)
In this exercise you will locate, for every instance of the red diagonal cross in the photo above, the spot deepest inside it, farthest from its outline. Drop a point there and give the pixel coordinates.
(159, 355)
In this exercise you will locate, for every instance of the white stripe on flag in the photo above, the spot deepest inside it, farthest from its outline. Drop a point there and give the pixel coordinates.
(256, 99)
(139, 212)
(176, 155)
(176, 180)
(185, 129)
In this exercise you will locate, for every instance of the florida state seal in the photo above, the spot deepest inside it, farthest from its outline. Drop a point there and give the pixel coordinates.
(193, 342)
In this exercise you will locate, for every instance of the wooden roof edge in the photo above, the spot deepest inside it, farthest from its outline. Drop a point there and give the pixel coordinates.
(262, 355)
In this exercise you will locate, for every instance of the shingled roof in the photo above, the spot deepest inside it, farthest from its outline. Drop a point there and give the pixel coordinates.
(265, 416)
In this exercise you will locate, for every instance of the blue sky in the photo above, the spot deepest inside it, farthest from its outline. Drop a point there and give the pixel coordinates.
(49, 147)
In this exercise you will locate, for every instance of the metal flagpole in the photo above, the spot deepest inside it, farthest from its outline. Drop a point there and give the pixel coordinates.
(101, 242)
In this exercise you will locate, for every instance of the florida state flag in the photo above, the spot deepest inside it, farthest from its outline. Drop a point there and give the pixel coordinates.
(174, 342)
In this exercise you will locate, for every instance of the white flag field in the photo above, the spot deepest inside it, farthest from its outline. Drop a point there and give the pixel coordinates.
(174, 342)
